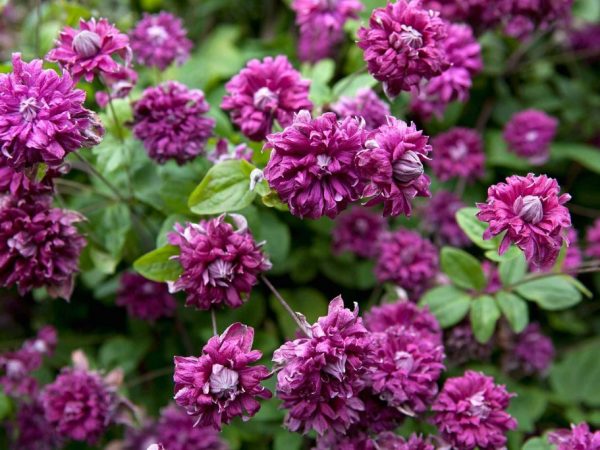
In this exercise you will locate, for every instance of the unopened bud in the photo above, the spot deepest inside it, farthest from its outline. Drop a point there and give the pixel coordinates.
(408, 168)
(529, 208)
(86, 43)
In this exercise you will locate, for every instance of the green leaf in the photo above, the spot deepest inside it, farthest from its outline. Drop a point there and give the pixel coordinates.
(511, 253)
(276, 235)
(513, 270)
(115, 223)
(514, 309)
(224, 188)
(474, 228)
(448, 304)
(498, 154)
(463, 269)
(122, 352)
(527, 406)
(538, 443)
(551, 293)
(285, 440)
(6, 406)
(158, 265)
(586, 155)
(348, 86)
(167, 227)
(104, 262)
(484, 315)
(575, 377)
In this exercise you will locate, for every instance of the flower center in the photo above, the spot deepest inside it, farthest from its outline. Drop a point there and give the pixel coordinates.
(478, 406)
(529, 208)
(86, 43)
(29, 109)
(408, 167)
(337, 368)
(323, 161)
(404, 361)
(157, 33)
(223, 381)
(220, 273)
(408, 37)
(265, 99)
(361, 226)
(15, 368)
(458, 151)
(73, 409)
(531, 136)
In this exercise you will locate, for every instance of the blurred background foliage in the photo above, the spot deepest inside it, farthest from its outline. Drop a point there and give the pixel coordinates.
(541, 73)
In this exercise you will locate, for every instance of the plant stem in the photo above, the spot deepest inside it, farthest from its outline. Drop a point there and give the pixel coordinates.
(101, 177)
(213, 317)
(286, 306)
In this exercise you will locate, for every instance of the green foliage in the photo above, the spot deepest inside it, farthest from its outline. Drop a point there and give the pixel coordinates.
(159, 265)
(463, 269)
(483, 315)
(448, 304)
(474, 228)
(515, 310)
(551, 293)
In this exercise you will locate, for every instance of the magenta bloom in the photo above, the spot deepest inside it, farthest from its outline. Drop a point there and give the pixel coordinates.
(40, 246)
(439, 218)
(391, 167)
(464, 54)
(391, 441)
(586, 40)
(223, 152)
(220, 263)
(404, 369)
(321, 25)
(365, 104)
(579, 437)
(19, 185)
(531, 212)
(312, 164)
(79, 405)
(407, 260)
(406, 316)
(358, 231)
(528, 15)
(458, 153)
(145, 299)
(159, 40)
(592, 238)
(220, 384)
(471, 412)
(265, 91)
(33, 431)
(42, 117)
(89, 50)
(171, 121)
(480, 14)
(403, 45)
(532, 352)
(529, 134)
(461, 346)
(320, 376)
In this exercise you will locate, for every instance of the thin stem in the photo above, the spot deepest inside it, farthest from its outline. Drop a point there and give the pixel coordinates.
(286, 306)
(533, 277)
(101, 177)
(150, 376)
(213, 317)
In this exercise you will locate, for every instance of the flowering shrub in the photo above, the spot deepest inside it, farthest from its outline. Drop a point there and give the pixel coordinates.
(310, 224)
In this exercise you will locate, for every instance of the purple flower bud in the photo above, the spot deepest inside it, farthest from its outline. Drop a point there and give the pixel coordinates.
(86, 43)
(408, 168)
(579, 437)
(529, 208)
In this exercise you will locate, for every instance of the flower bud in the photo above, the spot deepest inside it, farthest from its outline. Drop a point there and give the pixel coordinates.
(529, 208)
(408, 168)
(265, 99)
(86, 43)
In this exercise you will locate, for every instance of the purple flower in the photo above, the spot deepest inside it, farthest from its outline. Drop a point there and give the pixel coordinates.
(119, 85)
(312, 164)
(145, 299)
(586, 40)
(363, 441)
(321, 25)
(89, 50)
(407, 260)
(171, 121)
(529, 15)
(529, 134)
(33, 431)
(42, 116)
(404, 369)
(531, 212)
(18, 184)
(78, 405)
(579, 437)
(159, 40)
(220, 263)
(320, 376)
(464, 54)
(532, 352)
(461, 346)
(480, 14)
(40, 246)
(358, 231)
(223, 152)
(391, 167)
(573, 257)
(439, 218)
(458, 153)
(265, 91)
(471, 412)
(365, 104)
(406, 316)
(390, 441)
(592, 237)
(403, 44)
(220, 384)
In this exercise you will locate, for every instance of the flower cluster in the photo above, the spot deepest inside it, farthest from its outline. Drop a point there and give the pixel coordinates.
(525, 16)
(403, 44)
(458, 153)
(34, 431)
(221, 384)
(220, 263)
(319, 376)
(579, 437)
(532, 352)
(470, 412)
(42, 116)
(358, 231)
(321, 25)
(160, 40)
(531, 212)
(171, 121)
(89, 50)
(145, 299)
(263, 92)
(365, 104)
(407, 260)
(529, 134)
(439, 218)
